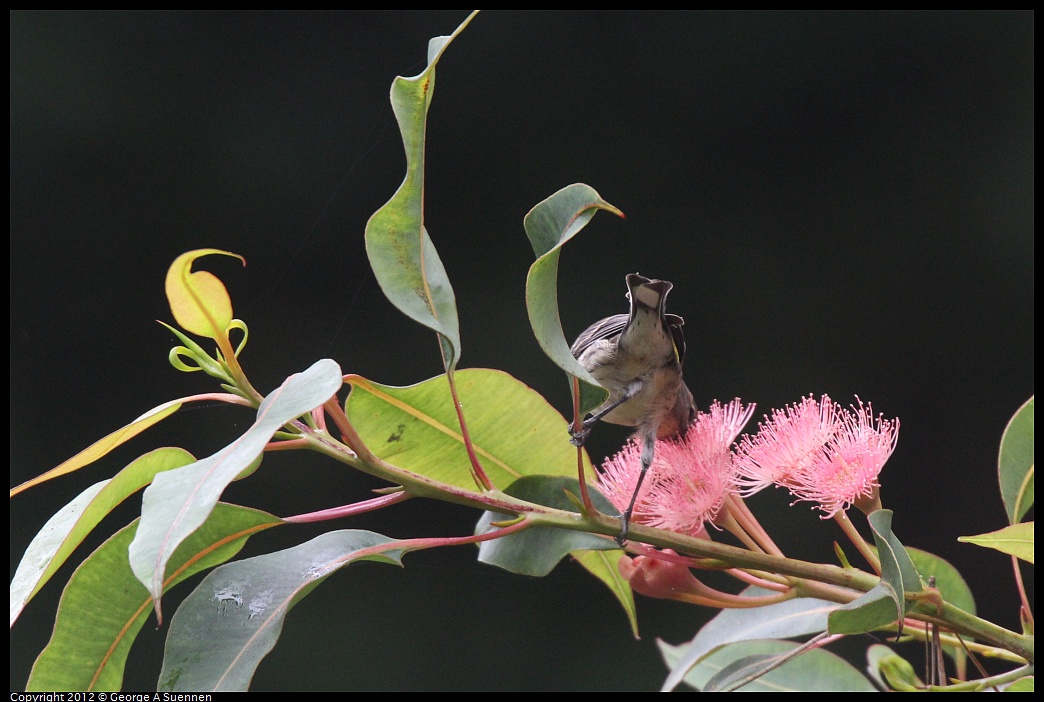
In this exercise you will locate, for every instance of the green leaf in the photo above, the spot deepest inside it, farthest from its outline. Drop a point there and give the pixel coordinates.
(538, 550)
(1015, 540)
(233, 619)
(897, 568)
(549, 225)
(514, 430)
(1021, 685)
(179, 501)
(948, 579)
(875, 655)
(104, 606)
(886, 603)
(817, 670)
(605, 565)
(70, 525)
(104, 445)
(1015, 463)
(796, 617)
(401, 253)
(872, 610)
(951, 586)
(891, 671)
(198, 300)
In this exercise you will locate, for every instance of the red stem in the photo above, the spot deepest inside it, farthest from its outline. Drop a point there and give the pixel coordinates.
(477, 471)
(585, 495)
(349, 510)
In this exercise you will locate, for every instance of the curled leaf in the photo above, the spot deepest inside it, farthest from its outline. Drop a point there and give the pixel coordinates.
(402, 255)
(198, 300)
(549, 225)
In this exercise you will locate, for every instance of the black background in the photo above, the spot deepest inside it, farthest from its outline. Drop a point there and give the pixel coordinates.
(844, 202)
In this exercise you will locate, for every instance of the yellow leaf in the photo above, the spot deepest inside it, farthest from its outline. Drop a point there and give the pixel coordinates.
(198, 300)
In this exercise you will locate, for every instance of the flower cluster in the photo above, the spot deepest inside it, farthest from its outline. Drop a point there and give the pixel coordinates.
(820, 451)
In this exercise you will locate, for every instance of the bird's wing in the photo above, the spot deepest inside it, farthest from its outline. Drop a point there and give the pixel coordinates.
(602, 329)
(674, 325)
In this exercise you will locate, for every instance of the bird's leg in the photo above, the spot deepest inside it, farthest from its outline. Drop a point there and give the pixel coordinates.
(648, 451)
(577, 438)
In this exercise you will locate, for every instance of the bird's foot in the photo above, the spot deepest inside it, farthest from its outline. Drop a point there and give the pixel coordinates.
(579, 438)
(625, 520)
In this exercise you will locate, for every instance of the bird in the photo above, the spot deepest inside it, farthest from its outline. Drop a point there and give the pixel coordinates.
(638, 358)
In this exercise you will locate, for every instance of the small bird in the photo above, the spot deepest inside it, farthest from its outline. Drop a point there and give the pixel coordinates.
(638, 358)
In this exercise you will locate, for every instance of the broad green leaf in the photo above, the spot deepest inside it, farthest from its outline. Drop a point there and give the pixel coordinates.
(104, 606)
(796, 617)
(198, 300)
(605, 565)
(951, 586)
(549, 225)
(1021, 685)
(104, 445)
(817, 670)
(223, 630)
(179, 501)
(948, 579)
(401, 253)
(63, 532)
(1015, 540)
(538, 550)
(1015, 463)
(514, 430)
(897, 568)
(872, 610)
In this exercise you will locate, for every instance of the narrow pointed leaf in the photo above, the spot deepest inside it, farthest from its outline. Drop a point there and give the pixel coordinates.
(104, 606)
(198, 300)
(401, 253)
(514, 430)
(813, 671)
(897, 568)
(104, 445)
(797, 617)
(234, 618)
(71, 524)
(179, 501)
(605, 565)
(1015, 540)
(1015, 467)
(549, 225)
(538, 550)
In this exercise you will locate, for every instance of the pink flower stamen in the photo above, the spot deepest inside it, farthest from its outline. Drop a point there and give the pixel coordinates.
(785, 444)
(846, 469)
(689, 477)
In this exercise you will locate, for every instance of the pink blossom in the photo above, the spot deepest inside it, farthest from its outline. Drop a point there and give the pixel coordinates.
(656, 577)
(689, 477)
(786, 444)
(845, 470)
